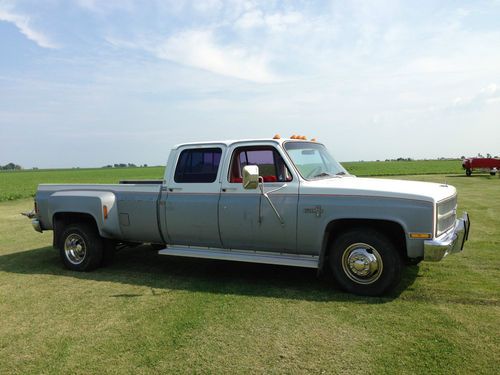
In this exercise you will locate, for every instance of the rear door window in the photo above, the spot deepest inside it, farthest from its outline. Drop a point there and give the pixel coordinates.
(198, 165)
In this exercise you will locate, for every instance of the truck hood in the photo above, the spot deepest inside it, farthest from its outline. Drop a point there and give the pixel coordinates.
(375, 187)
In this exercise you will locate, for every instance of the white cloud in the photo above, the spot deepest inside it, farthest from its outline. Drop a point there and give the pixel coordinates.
(199, 49)
(487, 95)
(23, 23)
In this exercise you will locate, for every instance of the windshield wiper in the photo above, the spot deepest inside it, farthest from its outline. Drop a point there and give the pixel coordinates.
(342, 173)
(323, 174)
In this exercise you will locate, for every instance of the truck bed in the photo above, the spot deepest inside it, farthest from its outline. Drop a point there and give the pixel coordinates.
(132, 208)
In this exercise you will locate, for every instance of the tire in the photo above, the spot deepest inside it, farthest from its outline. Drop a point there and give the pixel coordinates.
(80, 247)
(365, 262)
(468, 172)
(492, 173)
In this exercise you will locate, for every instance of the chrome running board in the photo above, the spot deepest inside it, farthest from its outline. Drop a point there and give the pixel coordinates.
(283, 259)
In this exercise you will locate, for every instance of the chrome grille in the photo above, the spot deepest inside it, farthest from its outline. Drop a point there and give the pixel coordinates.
(446, 215)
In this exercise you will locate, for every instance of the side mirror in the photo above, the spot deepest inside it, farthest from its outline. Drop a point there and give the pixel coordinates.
(250, 177)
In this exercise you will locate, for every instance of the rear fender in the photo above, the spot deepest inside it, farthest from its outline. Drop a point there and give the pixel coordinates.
(90, 203)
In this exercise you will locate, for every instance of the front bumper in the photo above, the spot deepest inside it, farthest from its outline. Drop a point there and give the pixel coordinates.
(36, 225)
(448, 243)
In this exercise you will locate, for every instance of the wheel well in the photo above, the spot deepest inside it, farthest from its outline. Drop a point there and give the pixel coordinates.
(63, 219)
(394, 231)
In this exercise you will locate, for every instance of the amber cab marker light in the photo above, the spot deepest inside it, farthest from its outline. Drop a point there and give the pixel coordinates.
(105, 211)
(277, 136)
(420, 235)
(313, 139)
(293, 136)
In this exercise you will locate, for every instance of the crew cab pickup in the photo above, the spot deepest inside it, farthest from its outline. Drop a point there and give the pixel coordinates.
(275, 201)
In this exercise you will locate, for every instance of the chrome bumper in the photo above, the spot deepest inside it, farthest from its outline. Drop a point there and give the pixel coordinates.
(451, 242)
(36, 225)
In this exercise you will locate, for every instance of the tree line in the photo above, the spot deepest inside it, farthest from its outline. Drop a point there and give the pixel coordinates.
(10, 167)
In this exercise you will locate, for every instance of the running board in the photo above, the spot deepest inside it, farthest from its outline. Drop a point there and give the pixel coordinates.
(243, 256)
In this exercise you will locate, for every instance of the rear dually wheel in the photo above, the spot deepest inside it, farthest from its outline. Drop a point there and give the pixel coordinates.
(80, 247)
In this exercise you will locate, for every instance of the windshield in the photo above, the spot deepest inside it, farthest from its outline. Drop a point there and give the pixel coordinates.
(313, 160)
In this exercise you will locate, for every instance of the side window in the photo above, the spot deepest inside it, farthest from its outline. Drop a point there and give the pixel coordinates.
(271, 165)
(198, 165)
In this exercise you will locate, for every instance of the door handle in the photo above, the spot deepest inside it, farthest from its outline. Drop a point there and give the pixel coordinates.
(224, 190)
(174, 189)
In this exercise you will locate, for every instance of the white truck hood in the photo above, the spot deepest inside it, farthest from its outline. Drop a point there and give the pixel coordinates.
(375, 187)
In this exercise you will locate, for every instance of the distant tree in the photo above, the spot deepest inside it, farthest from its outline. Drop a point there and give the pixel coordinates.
(108, 166)
(462, 157)
(131, 165)
(11, 167)
(488, 155)
(479, 155)
(145, 165)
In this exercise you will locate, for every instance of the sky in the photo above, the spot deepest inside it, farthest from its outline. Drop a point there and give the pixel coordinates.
(88, 83)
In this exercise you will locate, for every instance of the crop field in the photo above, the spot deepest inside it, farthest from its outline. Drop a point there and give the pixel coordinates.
(148, 313)
(22, 184)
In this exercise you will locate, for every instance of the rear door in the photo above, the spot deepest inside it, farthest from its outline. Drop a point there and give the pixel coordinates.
(191, 207)
(246, 219)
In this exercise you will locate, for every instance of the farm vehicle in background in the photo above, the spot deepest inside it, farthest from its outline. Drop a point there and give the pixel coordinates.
(492, 165)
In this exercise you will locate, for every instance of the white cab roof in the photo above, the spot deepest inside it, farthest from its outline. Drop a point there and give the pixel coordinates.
(229, 143)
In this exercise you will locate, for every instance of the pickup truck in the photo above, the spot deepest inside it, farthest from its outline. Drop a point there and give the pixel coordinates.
(275, 201)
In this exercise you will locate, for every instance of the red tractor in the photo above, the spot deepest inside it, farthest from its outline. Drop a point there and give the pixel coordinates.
(489, 164)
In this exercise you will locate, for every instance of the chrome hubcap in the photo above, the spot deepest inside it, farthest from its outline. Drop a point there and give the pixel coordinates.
(75, 248)
(362, 263)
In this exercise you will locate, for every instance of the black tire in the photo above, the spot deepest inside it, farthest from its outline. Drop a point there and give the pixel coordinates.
(365, 262)
(468, 172)
(492, 173)
(80, 247)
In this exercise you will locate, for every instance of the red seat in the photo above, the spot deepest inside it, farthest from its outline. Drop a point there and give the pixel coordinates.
(270, 178)
(236, 180)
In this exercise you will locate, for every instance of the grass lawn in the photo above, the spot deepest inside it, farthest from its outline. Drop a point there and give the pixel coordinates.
(154, 314)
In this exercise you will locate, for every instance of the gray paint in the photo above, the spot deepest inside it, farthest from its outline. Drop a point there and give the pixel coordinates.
(192, 219)
(240, 227)
(412, 215)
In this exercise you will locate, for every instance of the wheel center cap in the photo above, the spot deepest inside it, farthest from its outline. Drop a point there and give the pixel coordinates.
(362, 263)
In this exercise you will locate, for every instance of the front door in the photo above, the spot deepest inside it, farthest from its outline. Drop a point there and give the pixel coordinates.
(246, 219)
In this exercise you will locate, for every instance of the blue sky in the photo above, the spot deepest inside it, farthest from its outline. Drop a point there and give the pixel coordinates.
(88, 82)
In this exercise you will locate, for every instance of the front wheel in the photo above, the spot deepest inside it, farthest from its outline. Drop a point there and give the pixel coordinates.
(81, 248)
(365, 262)
(468, 172)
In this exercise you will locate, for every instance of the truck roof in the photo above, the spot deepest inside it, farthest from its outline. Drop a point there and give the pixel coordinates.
(230, 142)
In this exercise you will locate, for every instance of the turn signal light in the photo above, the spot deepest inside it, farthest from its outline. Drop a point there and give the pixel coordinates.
(420, 235)
(105, 211)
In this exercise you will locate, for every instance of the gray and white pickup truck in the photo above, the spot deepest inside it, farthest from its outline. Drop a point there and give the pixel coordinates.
(275, 201)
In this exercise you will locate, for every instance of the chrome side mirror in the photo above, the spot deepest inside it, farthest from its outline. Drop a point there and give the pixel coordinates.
(250, 177)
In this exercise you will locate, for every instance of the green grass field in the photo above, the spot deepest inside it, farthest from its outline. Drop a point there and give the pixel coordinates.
(22, 184)
(154, 314)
